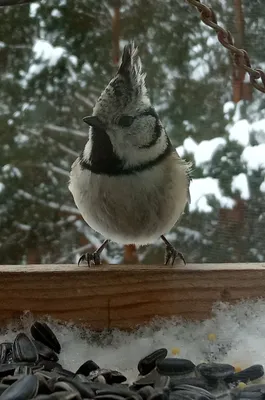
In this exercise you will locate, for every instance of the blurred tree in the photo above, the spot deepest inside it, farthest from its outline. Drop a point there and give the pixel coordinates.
(54, 64)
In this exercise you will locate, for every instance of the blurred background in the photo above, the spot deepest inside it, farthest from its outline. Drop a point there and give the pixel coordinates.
(56, 56)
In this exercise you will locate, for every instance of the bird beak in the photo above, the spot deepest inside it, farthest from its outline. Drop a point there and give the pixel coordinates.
(93, 120)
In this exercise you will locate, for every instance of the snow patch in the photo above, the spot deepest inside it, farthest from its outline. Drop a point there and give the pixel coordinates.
(20, 138)
(254, 156)
(228, 106)
(239, 132)
(262, 187)
(33, 9)
(239, 330)
(46, 52)
(56, 13)
(203, 187)
(240, 183)
(202, 152)
(10, 170)
(258, 125)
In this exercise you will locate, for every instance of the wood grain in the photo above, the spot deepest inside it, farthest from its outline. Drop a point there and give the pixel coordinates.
(124, 296)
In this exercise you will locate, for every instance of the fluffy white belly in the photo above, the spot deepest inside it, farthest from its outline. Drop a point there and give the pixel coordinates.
(134, 208)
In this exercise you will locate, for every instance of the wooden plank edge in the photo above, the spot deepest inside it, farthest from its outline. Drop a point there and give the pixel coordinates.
(47, 268)
(125, 296)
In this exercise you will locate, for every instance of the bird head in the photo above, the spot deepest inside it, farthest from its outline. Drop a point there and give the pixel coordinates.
(123, 111)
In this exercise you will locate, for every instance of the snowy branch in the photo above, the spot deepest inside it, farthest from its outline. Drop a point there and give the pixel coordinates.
(50, 204)
(71, 218)
(80, 250)
(84, 100)
(15, 2)
(61, 129)
(59, 170)
(63, 147)
(67, 150)
(23, 227)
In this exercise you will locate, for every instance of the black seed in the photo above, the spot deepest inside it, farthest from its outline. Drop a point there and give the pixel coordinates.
(193, 381)
(3, 387)
(215, 371)
(124, 392)
(23, 370)
(45, 351)
(49, 365)
(148, 363)
(148, 379)
(109, 397)
(162, 381)
(194, 390)
(248, 374)
(82, 388)
(5, 352)
(87, 367)
(251, 395)
(255, 388)
(159, 395)
(64, 372)
(7, 369)
(175, 366)
(146, 391)
(23, 389)
(95, 386)
(62, 385)
(24, 349)
(43, 333)
(114, 377)
(186, 395)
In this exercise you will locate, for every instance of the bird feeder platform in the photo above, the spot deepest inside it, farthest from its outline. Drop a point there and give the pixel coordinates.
(124, 296)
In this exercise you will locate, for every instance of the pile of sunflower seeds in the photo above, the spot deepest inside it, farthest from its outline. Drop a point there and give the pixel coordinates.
(30, 369)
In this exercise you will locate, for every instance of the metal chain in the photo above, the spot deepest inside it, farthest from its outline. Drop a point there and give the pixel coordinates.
(240, 56)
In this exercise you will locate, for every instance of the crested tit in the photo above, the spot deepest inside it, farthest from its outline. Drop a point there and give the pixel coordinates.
(129, 183)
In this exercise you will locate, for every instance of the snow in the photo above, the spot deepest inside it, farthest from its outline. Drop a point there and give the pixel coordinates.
(202, 152)
(254, 156)
(239, 132)
(33, 9)
(20, 138)
(46, 52)
(258, 125)
(262, 187)
(73, 59)
(240, 183)
(238, 339)
(203, 187)
(228, 106)
(10, 170)
(56, 13)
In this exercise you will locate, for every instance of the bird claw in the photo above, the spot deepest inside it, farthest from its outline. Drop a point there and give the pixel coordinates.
(171, 254)
(90, 258)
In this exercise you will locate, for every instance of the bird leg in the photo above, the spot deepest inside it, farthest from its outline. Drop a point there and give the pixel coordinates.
(93, 257)
(171, 253)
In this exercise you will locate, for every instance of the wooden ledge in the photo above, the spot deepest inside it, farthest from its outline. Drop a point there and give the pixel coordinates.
(124, 296)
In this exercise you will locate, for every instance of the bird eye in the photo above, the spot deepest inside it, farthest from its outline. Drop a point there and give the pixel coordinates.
(125, 121)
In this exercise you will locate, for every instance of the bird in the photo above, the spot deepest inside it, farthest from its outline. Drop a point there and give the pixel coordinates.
(129, 183)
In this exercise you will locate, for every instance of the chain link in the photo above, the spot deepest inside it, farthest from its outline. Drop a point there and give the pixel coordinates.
(240, 56)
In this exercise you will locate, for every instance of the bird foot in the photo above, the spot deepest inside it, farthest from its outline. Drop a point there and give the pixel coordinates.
(171, 254)
(90, 258)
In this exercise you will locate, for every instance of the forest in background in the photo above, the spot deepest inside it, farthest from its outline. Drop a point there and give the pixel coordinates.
(55, 59)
